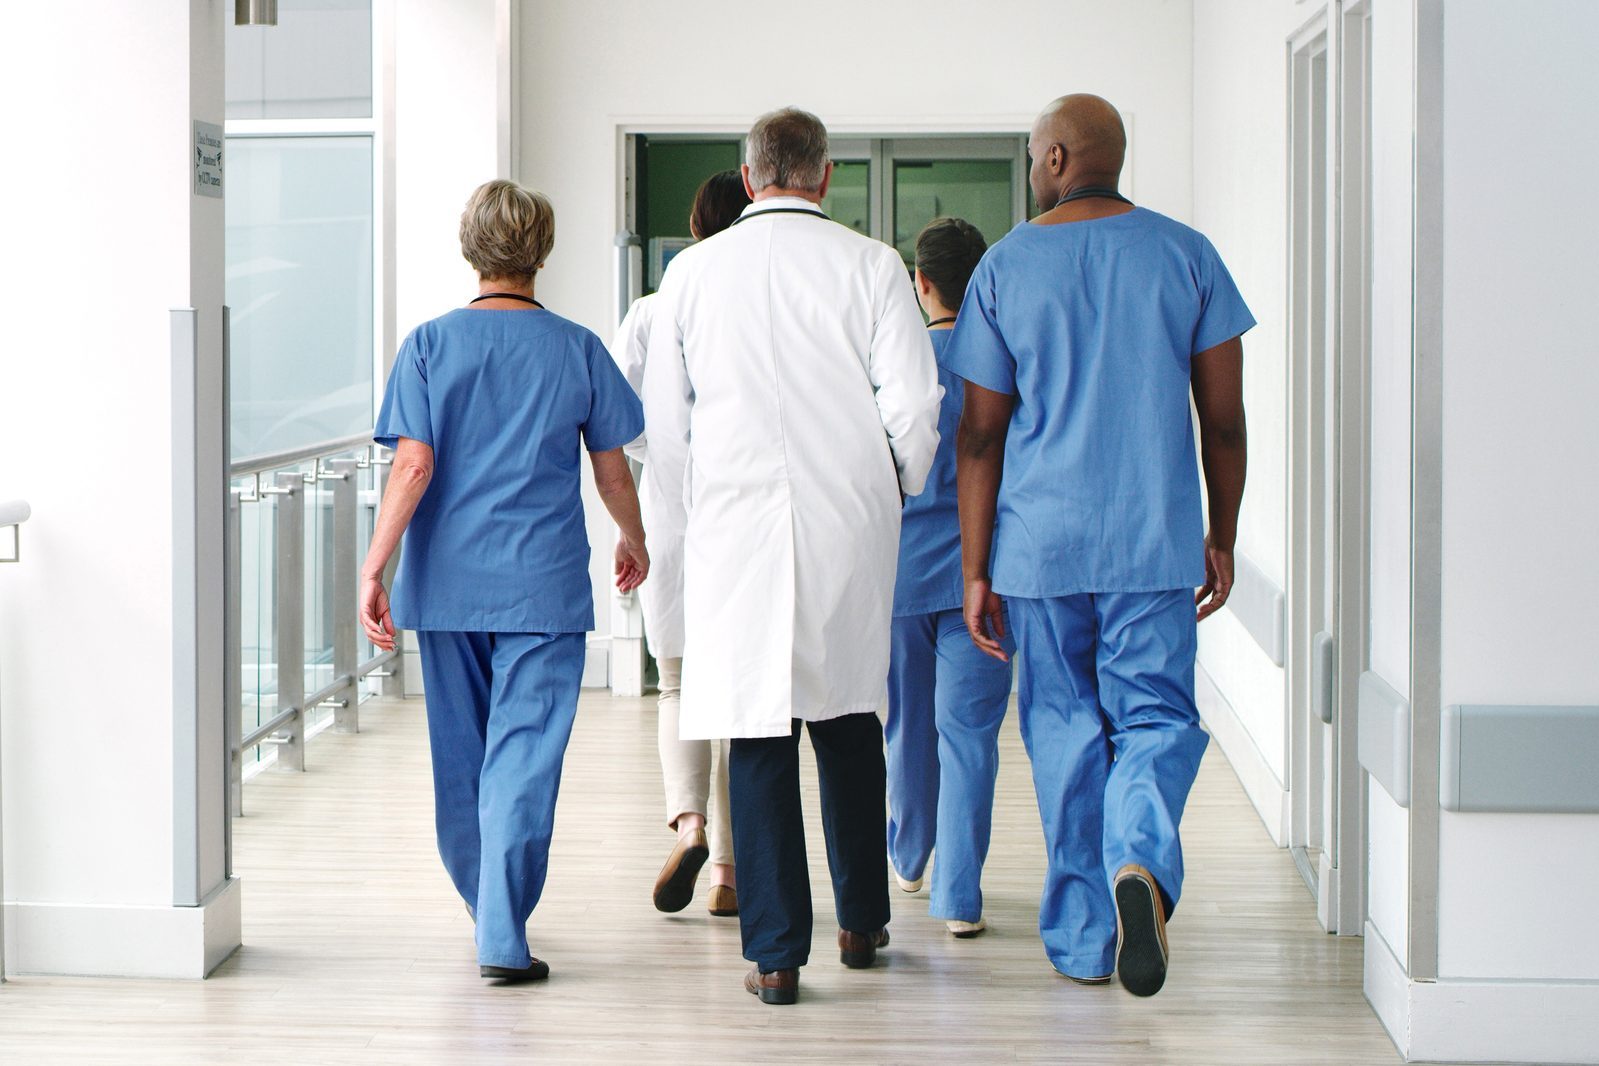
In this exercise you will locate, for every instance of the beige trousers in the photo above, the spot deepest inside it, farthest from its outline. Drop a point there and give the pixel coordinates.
(687, 771)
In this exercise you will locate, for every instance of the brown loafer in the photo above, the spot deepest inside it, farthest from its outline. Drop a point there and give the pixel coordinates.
(780, 987)
(674, 888)
(723, 901)
(859, 950)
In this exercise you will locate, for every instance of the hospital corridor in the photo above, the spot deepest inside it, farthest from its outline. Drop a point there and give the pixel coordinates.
(608, 531)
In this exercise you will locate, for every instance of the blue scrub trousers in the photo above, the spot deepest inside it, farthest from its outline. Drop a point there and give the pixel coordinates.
(1108, 717)
(946, 701)
(500, 708)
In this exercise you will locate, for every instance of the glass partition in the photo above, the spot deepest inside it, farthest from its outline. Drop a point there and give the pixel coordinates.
(981, 191)
(300, 285)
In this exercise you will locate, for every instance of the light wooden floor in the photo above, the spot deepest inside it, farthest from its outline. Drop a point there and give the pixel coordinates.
(357, 951)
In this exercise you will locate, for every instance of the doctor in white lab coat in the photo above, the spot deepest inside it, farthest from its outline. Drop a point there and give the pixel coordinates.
(791, 401)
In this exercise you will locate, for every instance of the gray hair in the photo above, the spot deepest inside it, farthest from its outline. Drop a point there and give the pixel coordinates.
(507, 231)
(787, 150)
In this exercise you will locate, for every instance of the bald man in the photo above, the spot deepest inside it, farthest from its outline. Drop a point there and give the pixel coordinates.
(1083, 334)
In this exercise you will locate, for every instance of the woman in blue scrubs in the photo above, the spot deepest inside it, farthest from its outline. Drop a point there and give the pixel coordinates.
(488, 408)
(946, 699)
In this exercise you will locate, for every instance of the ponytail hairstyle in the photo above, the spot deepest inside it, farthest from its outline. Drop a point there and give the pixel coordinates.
(947, 251)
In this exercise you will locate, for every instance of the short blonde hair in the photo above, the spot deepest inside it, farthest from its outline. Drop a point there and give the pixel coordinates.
(507, 231)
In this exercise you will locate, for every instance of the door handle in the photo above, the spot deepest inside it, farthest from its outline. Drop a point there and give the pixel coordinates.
(1323, 672)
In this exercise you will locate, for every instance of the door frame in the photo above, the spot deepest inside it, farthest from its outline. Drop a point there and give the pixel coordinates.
(1328, 462)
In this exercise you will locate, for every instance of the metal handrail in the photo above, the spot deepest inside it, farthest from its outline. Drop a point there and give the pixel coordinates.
(14, 512)
(338, 462)
(316, 699)
(260, 464)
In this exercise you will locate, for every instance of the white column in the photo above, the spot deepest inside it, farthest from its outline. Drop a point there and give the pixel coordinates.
(111, 424)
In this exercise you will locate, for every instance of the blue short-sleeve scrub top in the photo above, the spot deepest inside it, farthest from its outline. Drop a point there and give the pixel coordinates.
(929, 576)
(1092, 326)
(505, 398)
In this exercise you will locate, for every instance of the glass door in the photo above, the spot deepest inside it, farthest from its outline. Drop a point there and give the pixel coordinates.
(980, 179)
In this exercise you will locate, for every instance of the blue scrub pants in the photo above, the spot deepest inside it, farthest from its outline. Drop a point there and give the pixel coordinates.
(500, 708)
(946, 701)
(1107, 714)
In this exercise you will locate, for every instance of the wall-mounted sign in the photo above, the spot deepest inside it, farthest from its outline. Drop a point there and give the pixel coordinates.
(207, 159)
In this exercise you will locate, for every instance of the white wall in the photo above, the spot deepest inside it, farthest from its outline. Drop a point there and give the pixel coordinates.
(587, 70)
(1241, 204)
(447, 105)
(1521, 459)
(103, 237)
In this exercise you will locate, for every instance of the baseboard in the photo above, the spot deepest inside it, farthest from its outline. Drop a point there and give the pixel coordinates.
(93, 940)
(1260, 782)
(1481, 1021)
(1387, 988)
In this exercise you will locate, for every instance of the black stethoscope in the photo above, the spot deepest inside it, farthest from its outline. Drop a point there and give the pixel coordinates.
(1089, 192)
(940, 321)
(782, 211)
(508, 296)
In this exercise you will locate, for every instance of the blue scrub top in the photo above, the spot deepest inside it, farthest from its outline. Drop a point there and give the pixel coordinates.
(929, 576)
(1092, 326)
(498, 542)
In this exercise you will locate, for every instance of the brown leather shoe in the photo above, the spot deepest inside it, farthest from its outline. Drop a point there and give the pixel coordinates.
(674, 888)
(859, 950)
(780, 987)
(723, 901)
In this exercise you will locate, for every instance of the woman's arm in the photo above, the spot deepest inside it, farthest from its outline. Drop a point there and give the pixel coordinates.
(614, 482)
(408, 480)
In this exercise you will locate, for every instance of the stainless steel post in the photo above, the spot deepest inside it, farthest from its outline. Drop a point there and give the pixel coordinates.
(290, 602)
(346, 633)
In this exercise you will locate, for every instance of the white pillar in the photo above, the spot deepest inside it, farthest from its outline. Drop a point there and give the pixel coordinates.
(111, 424)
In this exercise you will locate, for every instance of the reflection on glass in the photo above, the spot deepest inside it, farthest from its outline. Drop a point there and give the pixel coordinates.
(848, 198)
(978, 190)
(315, 63)
(299, 282)
(669, 173)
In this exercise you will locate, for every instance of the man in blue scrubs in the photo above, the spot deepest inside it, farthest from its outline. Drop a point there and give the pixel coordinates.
(946, 699)
(1082, 337)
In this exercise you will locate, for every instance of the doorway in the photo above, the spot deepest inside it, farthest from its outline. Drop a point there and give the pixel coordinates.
(886, 188)
(1329, 176)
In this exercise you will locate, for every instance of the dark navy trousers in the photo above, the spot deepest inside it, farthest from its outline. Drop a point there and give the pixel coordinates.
(774, 882)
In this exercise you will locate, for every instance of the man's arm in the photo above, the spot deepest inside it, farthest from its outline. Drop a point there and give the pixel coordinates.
(1218, 383)
(979, 461)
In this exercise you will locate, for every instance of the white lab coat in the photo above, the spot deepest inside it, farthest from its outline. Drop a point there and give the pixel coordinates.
(661, 597)
(790, 395)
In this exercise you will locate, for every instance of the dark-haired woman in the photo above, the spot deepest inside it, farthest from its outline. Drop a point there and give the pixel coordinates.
(704, 832)
(946, 699)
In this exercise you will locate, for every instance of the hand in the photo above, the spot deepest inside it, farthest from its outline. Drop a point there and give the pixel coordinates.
(632, 564)
(1218, 580)
(985, 618)
(374, 613)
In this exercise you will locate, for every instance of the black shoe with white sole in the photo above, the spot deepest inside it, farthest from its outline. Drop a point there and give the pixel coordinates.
(1140, 932)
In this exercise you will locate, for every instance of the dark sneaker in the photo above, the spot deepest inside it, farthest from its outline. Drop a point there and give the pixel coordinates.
(1140, 931)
